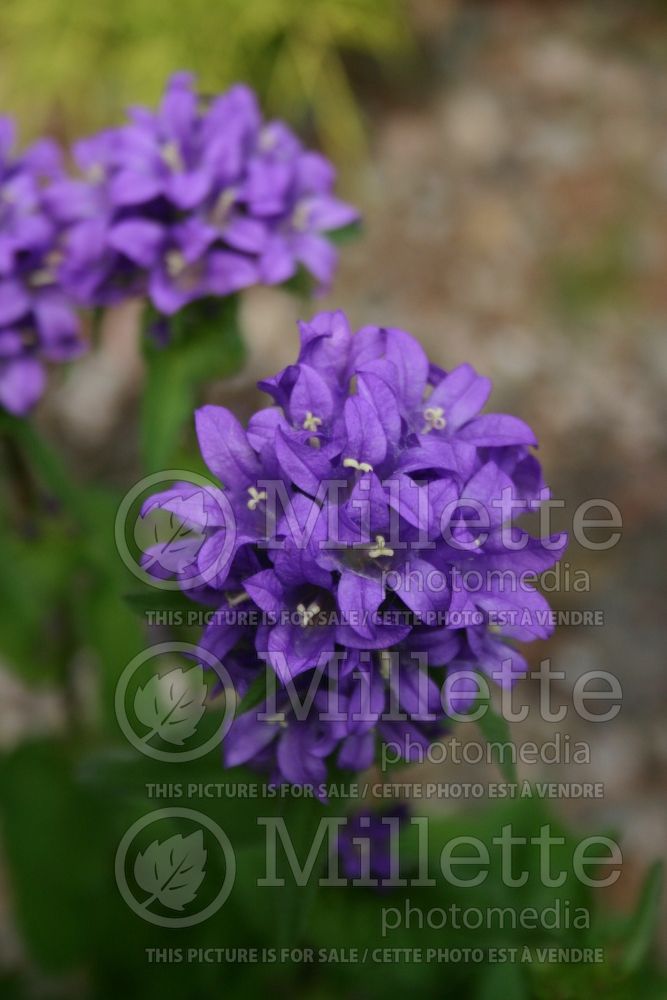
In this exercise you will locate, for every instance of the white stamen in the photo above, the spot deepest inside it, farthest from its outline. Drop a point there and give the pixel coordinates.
(351, 463)
(256, 496)
(41, 278)
(95, 173)
(307, 613)
(380, 548)
(300, 216)
(278, 718)
(45, 275)
(171, 155)
(267, 139)
(222, 206)
(238, 599)
(385, 663)
(435, 419)
(175, 263)
(311, 423)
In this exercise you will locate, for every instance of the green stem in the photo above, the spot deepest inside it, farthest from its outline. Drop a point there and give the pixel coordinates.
(21, 483)
(204, 343)
(47, 465)
(34, 466)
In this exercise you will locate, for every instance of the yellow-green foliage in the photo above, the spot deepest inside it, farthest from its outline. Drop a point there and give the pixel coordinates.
(72, 65)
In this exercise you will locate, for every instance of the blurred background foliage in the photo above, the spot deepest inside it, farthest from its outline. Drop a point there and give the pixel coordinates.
(70, 66)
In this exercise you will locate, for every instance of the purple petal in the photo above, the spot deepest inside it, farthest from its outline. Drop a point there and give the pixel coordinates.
(489, 490)
(249, 235)
(263, 425)
(225, 449)
(58, 326)
(277, 262)
(357, 752)
(525, 614)
(366, 440)
(296, 764)
(305, 466)
(14, 301)
(131, 188)
(439, 455)
(310, 394)
(186, 190)
(178, 110)
(375, 391)
(318, 255)
(325, 344)
(326, 213)
(421, 586)
(166, 294)
(497, 429)
(194, 505)
(247, 736)
(461, 395)
(359, 598)
(267, 591)
(21, 384)
(229, 272)
(411, 501)
(417, 693)
(140, 240)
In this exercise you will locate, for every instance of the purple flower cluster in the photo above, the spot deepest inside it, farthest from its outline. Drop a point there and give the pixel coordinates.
(196, 200)
(367, 845)
(37, 321)
(363, 551)
(193, 200)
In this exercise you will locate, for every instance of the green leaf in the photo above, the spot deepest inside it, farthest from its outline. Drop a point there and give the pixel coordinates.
(52, 854)
(346, 234)
(644, 920)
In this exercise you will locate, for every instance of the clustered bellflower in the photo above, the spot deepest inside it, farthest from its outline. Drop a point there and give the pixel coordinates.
(37, 320)
(367, 844)
(372, 562)
(194, 201)
(197, 199)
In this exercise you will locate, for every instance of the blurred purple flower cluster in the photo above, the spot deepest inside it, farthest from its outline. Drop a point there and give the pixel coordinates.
(368, 845)
(37, 320)
(195, 199)
(198, 199)
(363, 549)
